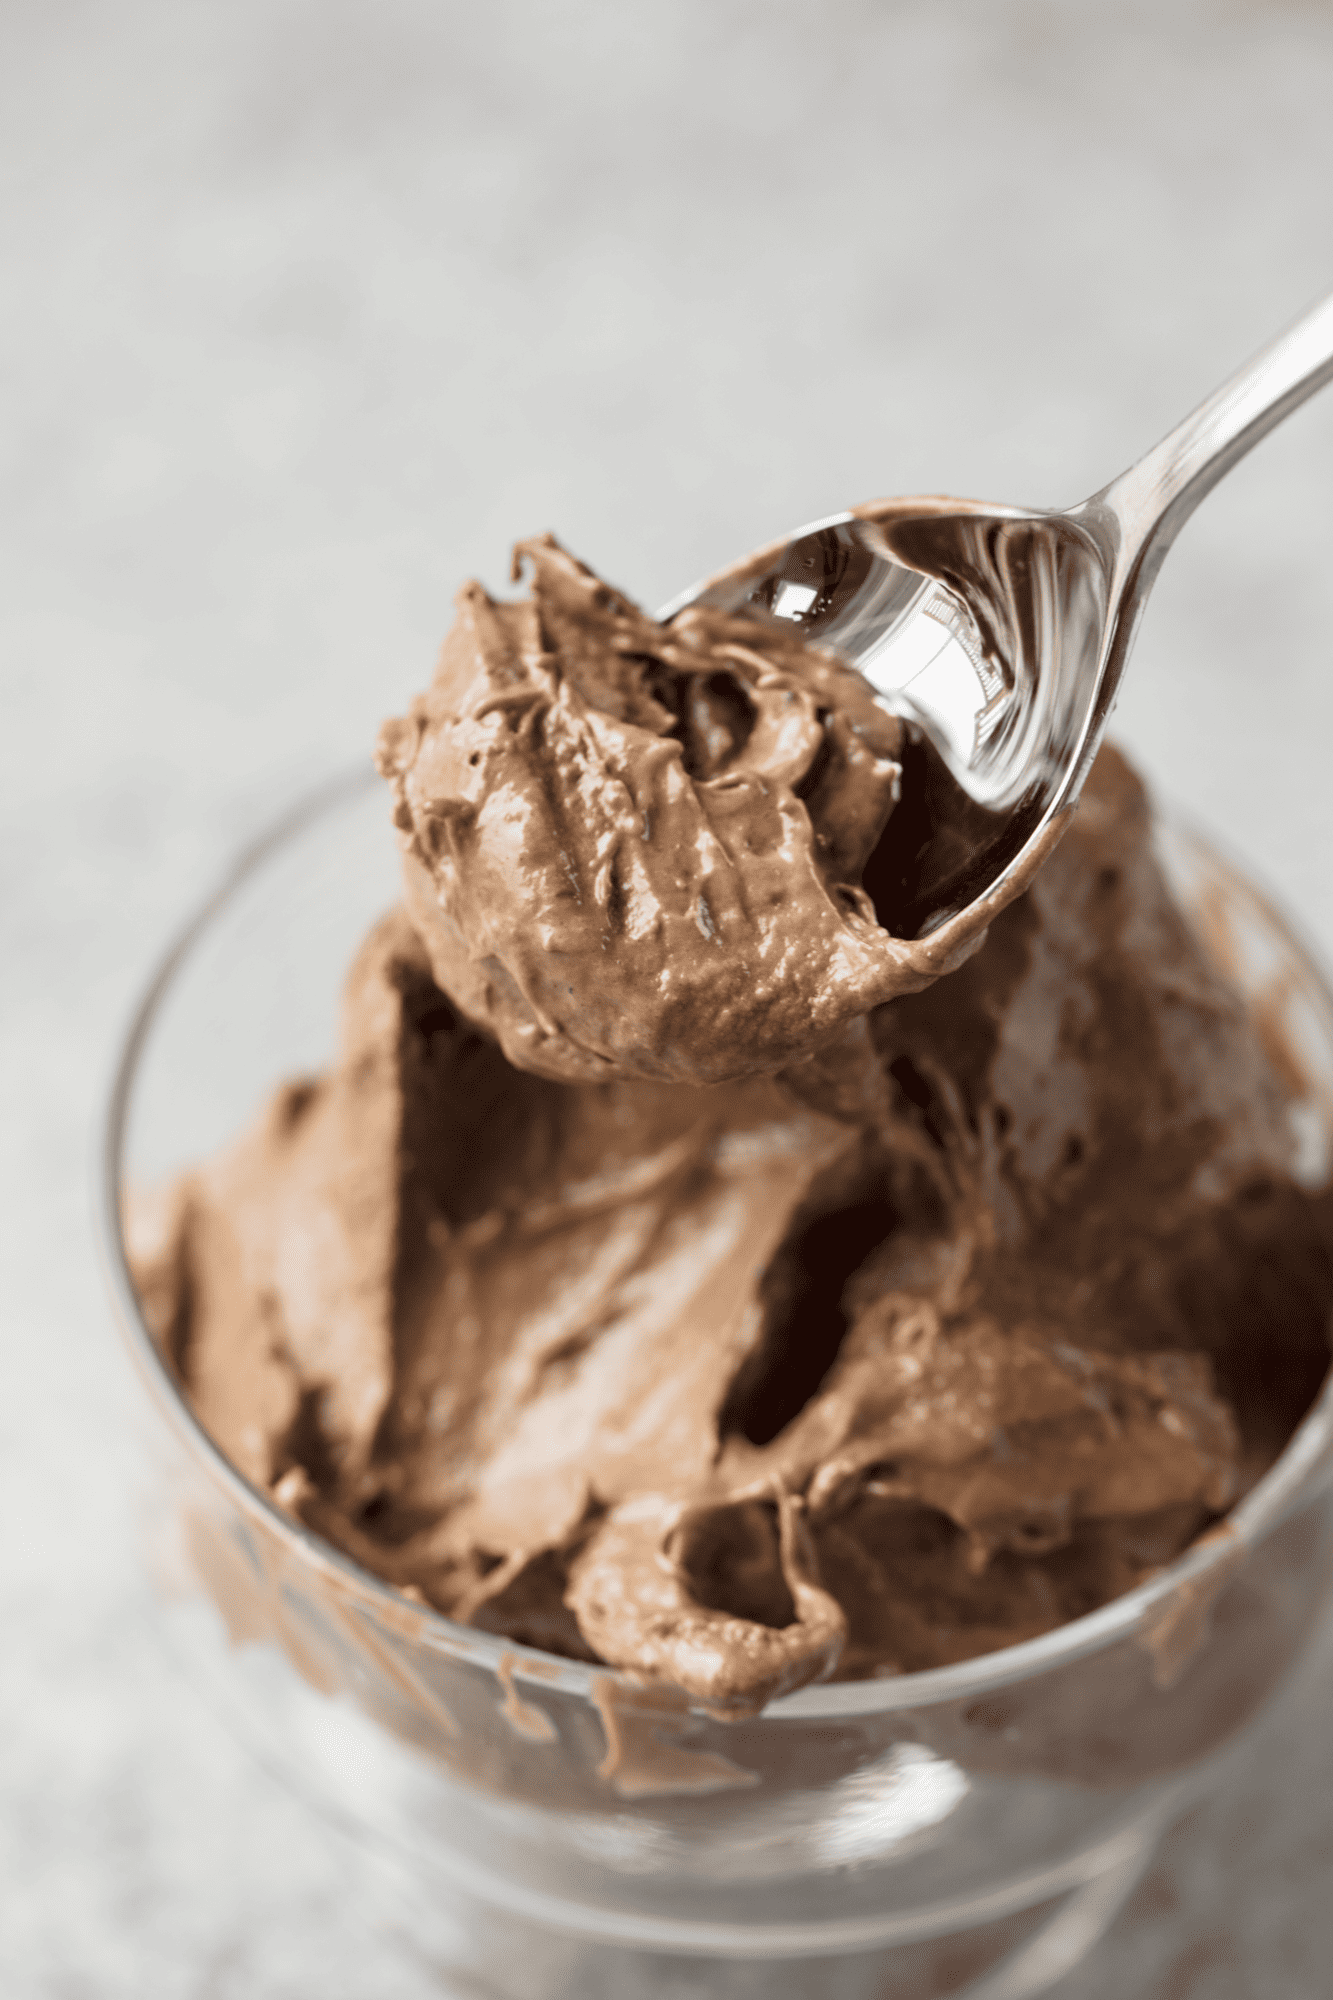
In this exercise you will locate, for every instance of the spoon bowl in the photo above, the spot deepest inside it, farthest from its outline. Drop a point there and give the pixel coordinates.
(1001, 633)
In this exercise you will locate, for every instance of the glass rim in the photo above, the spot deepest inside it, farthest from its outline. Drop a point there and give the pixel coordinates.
(1261, 1510)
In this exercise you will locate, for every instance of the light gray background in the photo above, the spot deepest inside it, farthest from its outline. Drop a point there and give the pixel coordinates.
(309, 308)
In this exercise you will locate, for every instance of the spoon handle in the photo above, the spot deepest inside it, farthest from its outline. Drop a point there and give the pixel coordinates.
(1152, 501)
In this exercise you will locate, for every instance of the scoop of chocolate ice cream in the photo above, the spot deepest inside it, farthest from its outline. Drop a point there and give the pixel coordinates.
(635, 849)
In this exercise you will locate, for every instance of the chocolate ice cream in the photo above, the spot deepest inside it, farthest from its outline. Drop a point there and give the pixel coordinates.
(636, 849)
(667, 1272)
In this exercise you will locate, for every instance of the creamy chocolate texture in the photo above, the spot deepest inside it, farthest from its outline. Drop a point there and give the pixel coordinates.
(664, 1274)
(637, 849)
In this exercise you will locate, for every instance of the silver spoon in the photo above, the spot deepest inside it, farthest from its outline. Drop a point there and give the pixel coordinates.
(1003, 633)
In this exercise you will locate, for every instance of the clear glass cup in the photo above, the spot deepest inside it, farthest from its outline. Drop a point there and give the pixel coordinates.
(544, 1828)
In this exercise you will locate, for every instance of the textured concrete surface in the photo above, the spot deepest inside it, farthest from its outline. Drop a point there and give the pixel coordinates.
(310, 306)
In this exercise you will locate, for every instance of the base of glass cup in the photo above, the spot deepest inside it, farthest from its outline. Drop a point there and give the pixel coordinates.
(474, 1949)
